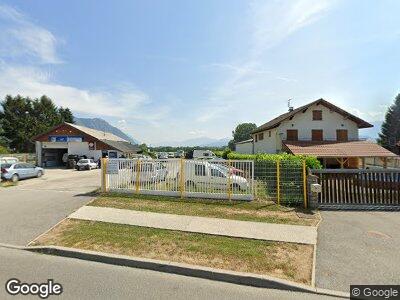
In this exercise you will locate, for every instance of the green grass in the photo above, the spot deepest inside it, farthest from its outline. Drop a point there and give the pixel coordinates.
(258, 211)
(285, 260)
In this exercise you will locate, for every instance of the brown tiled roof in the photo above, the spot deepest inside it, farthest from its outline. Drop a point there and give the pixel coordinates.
(276, 122)
(337, 149)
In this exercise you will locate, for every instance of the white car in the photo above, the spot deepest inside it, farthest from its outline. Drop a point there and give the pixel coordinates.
(200, 175)
(203, 154)
(86, 164)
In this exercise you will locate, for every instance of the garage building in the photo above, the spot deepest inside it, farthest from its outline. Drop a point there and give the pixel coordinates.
(73, 139)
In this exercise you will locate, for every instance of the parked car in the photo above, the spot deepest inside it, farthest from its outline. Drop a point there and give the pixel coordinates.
(8, 159)
(171, 154)
(163, 155)
(203, 174)
(179, 154)
(86, 164)
(149, 172)
(203, 154)
(17, 171)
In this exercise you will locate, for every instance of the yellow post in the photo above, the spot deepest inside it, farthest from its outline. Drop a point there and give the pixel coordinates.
(278, 181)
(229, 181)
(182, 178)
(137, 183)
(104, 175)
(305, 183)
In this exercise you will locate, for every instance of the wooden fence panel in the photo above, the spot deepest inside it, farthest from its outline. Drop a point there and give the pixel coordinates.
(359, 187)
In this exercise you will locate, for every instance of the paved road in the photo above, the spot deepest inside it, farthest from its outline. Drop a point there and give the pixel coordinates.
(358, 248)
(35, 205)
(90, 280)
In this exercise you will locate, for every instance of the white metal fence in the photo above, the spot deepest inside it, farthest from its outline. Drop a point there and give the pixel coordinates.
(180, 177)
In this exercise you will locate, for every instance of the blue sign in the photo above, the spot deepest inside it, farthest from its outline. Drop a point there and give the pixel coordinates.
(65, 138)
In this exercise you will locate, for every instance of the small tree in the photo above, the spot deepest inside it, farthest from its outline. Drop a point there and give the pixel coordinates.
(242, 132)
(390, 131)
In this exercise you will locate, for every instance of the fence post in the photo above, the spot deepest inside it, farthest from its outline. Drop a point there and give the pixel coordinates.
(182, 178)
(137, 181)
(104, 175)
(278, 181)
(229, 181)
(305, 183)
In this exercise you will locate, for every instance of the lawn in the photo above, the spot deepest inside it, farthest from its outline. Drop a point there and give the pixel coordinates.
(285, 260)
(258, 211)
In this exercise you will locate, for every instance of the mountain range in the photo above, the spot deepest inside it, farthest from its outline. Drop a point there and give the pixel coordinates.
(200, 141)
(102, 125)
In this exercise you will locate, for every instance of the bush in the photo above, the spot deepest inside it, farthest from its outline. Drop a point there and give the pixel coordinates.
(311, 161)
(4, 150)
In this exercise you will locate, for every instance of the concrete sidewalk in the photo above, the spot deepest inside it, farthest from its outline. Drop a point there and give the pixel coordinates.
(225, 227)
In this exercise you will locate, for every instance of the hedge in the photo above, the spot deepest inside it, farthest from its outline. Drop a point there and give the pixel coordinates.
(311, 161)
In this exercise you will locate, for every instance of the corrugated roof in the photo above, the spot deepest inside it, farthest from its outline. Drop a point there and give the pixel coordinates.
(122, 146)
(276, 122)
(337, 149)
(101, 135)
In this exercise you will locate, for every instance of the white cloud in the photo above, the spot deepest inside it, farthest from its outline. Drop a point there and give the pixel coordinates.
(122, 101)
(19, 36)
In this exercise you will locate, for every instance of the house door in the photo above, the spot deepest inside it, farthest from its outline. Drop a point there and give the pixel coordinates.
(342, 135)
(292, 135)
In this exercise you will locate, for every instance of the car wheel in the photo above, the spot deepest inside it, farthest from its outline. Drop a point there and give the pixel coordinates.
(39, 174)
(15, 178)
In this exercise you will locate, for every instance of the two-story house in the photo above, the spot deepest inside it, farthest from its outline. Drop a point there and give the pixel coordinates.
(320, 129)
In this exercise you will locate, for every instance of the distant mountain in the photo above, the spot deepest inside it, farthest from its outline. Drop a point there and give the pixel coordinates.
(102, 125)
(200, 141)
(371, 133)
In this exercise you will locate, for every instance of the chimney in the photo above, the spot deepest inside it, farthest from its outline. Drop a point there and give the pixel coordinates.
(289, 105)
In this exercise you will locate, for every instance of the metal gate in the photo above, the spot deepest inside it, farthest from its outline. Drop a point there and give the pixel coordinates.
(359, 187)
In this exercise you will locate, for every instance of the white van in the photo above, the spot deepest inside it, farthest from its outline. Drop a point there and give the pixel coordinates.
(203, 154)
(202, 175)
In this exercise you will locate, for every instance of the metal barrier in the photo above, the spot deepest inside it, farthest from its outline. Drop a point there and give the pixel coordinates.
(231, 179)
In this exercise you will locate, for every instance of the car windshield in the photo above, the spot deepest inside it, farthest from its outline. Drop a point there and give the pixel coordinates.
(5, 166)
(83, 161)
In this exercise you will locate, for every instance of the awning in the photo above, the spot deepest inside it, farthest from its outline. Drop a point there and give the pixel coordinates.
(337, 149)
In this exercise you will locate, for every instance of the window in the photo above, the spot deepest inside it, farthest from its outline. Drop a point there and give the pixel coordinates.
(317, 115)
(269, 133)
(261, 136)
(292, 135)
(200, 170)
(342, 135)
(317, 135)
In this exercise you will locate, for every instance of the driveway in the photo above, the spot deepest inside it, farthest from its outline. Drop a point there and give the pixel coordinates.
(35, 205)
(358, 248)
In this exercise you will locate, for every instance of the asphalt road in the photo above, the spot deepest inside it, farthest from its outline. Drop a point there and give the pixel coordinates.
(90, 280)
(35, 205)
(358, 248)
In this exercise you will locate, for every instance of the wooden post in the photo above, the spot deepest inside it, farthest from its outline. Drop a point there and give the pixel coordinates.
(104, 175)
(385, 162)
(278, 181)
(341, 162)
(363, 162)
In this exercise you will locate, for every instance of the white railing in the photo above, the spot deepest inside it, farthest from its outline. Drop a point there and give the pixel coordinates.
(225, 179)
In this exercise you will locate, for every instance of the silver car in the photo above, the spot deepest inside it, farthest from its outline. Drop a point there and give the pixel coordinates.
(17, 171)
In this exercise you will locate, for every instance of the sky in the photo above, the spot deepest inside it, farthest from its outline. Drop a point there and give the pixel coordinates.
(166, 70)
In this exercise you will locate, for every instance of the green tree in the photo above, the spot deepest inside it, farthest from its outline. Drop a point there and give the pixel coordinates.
(390, 131)
(242, 132)
(65, 115)
(22, 118)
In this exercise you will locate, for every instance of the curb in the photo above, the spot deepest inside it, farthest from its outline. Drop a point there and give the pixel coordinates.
(241, 278)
